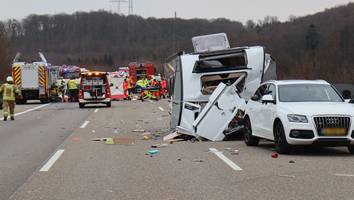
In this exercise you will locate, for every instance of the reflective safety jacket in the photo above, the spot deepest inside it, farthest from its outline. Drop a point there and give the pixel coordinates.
(72, 85)
(140, 83)
(9, 92)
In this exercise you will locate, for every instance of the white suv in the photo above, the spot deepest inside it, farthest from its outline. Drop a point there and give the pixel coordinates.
(296, 112)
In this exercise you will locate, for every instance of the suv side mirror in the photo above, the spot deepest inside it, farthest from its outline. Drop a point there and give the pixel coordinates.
(268, 99)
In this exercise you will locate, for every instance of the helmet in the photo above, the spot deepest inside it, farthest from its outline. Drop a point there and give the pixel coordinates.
(9, 79)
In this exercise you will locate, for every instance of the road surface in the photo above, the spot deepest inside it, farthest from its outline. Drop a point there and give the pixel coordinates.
(40, 160)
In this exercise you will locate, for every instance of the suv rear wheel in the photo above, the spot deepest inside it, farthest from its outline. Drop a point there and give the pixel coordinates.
(250, 140)
(81, 105)
(281, 144)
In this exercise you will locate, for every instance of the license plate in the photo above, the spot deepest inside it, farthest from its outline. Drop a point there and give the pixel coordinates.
(334, 131)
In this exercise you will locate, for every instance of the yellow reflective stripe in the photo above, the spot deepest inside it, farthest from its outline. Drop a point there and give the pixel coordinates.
(16, 75)
(41, 76)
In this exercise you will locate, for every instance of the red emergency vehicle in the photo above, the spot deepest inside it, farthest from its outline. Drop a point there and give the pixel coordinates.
(136, 71)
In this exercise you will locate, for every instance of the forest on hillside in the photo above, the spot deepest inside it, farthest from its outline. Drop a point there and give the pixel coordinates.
(319, 46)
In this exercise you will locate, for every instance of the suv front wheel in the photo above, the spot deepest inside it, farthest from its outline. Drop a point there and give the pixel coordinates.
(351, 149)
(281, 144)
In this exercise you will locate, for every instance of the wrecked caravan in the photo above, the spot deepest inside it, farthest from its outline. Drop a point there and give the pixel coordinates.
(209, 88)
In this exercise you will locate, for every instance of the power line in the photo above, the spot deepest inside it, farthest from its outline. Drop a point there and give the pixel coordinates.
(120, 3)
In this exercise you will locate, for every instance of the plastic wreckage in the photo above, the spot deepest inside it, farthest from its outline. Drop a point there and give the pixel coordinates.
(210, 87)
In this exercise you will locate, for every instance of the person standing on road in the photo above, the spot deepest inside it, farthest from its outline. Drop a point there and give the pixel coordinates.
(130, 87)
(9, 91)
(73, 89)
(125, 89)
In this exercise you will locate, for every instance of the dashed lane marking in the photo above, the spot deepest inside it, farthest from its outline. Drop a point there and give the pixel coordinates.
(225, 159)
(52, 160)
(85, 124)
(345, 175)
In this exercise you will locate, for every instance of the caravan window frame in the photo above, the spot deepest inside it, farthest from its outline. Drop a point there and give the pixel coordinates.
(221, 59)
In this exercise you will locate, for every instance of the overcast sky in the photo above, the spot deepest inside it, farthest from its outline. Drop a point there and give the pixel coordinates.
(240, 10)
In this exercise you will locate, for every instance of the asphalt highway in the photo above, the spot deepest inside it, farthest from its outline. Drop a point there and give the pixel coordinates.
(49, 154)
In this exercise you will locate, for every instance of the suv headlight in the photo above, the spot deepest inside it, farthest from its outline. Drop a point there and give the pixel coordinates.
(297, 118)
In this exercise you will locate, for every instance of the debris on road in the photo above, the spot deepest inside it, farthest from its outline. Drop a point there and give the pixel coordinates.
(115, 140)
(235, 152)
(171, 136)
(99, 139)
(138, 130)
(153, 152)
(275, 155)
(198, 160)
(291, 161)
(159, 145)
(287, 176)
(145, 137)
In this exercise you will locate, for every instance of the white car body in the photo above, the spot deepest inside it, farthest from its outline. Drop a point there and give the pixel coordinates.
(329, 115)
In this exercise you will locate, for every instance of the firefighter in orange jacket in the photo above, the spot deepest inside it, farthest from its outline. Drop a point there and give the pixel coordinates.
(163, 87)
(156, 91)
(125, 88)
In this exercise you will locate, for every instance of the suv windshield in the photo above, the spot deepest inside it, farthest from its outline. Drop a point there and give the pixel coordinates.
(308, 93)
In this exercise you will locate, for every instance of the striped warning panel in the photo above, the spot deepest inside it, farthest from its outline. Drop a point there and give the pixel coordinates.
(41, 76)
(16, 74)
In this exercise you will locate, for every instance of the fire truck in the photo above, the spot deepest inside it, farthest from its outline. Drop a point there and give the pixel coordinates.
(34, 79)
(137, 71)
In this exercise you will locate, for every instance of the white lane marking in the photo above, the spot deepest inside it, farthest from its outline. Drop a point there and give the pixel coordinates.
(96, 110)
(225, 159)
(345, 175)
(30, 110)
(52, 160)
(85, 124)
(161, 108)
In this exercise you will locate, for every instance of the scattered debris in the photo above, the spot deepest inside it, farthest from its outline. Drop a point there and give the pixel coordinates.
(99, 139)
(139, 130)
(159, 145)
(228, 148)
(235, 152)
(146, 133)
(153, 152)
(146, 137)
(291, 161)
(115, 131)
(287, 176)
(171, 136)
(123, 141)
(198, 160)
(179, 159)
(175, 140)
(109, 141)
(275, 155)
(116, 140)
(93, 131)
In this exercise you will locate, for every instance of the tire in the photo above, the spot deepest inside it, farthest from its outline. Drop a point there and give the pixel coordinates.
(281, 144)
(109, 104)
(81, 105)
(351, 149)
(250, 140)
